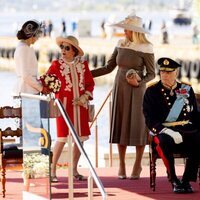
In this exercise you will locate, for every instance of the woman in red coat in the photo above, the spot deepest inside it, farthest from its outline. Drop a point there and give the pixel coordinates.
(77, 86)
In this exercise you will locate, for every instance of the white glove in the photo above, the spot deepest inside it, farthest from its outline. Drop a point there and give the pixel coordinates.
(177, 137)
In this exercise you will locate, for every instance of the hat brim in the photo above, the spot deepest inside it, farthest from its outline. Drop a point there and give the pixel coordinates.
(60, 40)
(130, 27)
(167, 69)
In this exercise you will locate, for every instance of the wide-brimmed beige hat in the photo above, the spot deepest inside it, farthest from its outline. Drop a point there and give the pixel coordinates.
(71, 40)
(132, 23)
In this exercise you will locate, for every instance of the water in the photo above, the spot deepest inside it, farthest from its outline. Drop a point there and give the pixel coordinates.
(7, 83)
(8, 80)
(12, 21)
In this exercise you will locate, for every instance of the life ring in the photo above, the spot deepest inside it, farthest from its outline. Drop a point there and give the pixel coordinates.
(195, 69)
(102, 60)
(94, 61)
(58, 55)
(87, 57)
(37, 53)
(157, 69)
(3, 53)
(12, 52)
(50, 56)
(185, 68)
(8, 53)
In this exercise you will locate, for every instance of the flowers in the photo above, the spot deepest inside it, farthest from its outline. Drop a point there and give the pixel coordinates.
(35, 165)
(182, 93)
(51, 81)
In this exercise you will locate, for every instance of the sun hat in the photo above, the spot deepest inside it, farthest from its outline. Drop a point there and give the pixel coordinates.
(71, 40)
(132, 23)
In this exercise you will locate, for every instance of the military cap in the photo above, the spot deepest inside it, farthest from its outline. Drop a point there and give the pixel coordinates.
(167, 64)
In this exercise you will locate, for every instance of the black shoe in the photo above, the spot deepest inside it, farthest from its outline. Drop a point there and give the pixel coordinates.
(177, 187)
(187, 187)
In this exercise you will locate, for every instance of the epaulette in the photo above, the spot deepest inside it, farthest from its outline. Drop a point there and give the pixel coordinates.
(150, 84)
(186, 83)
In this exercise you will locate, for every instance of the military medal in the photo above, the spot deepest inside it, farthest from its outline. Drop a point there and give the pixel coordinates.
(171, 93)
(188, 108)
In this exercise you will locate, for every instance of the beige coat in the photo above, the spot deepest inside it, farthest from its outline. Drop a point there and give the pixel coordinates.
(26, 70)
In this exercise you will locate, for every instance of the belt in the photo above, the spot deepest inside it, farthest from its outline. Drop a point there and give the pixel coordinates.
(178, 123)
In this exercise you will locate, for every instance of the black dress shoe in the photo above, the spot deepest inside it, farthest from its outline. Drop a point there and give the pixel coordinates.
(187, 187)
(177, 187)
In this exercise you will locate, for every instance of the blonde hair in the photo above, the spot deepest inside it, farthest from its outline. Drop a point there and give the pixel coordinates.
(140, 38)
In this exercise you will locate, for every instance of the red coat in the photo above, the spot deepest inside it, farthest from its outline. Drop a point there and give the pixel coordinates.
(76, 79)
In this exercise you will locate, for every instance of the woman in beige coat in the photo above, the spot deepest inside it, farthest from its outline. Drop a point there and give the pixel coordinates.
(26, 61)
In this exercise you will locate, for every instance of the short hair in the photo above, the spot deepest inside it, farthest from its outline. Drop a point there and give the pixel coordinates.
(29, 29)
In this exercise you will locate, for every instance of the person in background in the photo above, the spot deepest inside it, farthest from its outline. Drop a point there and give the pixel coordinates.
(63, 28)
(195, 34)
(103, 29)
(77, 86)
(150, 25)
(26, 61)
(50, 28)
(135, 60)
(165, 36)
(170, 110)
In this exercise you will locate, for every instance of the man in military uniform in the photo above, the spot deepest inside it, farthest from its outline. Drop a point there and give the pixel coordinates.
(171, 114)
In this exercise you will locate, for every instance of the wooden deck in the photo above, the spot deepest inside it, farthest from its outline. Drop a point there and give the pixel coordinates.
(116, 189)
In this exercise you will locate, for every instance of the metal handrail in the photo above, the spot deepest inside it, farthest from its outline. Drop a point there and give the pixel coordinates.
(100, 109)
(96, 129)
(75, 137)
(78, 143)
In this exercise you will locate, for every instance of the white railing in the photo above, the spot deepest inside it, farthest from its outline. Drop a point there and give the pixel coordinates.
(81, 149)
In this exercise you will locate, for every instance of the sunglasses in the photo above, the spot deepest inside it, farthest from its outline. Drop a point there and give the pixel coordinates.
(66, 48)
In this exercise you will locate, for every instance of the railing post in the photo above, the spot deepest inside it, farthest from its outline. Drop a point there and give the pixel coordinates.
(70, 168)
(81, 149)
(110, 146)
(90, 187)
(96, 145)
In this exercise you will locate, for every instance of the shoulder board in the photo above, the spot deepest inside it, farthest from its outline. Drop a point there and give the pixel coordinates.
(150, 84)
(186, 83)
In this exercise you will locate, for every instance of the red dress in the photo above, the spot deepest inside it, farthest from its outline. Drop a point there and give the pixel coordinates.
(76, 79)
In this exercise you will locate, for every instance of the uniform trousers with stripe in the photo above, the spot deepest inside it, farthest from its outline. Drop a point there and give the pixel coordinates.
(190, 146)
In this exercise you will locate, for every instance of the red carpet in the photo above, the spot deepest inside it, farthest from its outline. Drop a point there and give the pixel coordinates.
(115, 188)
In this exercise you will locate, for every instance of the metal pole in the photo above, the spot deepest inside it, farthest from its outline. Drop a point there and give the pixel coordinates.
(70, 168)
(96, 145)
(78, 143)
(110, 146)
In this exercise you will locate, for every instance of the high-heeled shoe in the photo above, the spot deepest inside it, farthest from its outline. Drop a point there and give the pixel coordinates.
(122, 177)
(122, 173)
(54, 179)
(136, 176)
(80, 177)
